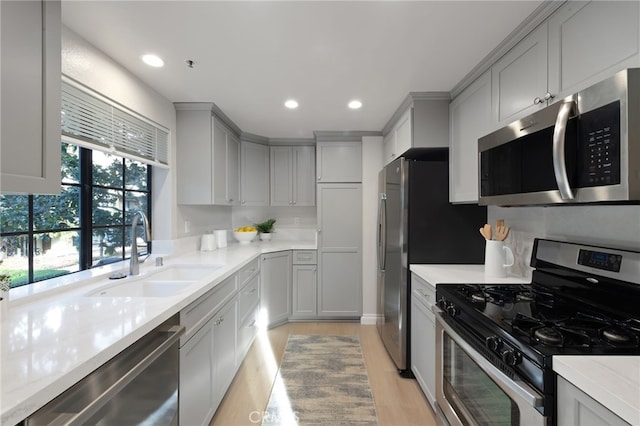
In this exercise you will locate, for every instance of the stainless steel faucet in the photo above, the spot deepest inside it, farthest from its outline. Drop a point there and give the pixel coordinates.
(134, 264)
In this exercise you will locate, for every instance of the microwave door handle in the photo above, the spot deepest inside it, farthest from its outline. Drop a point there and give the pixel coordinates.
(559, 163)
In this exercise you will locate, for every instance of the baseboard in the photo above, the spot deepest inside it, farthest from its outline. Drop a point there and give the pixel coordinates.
(369, 319)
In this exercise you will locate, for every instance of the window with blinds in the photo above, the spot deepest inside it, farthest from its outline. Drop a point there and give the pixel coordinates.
(93, 122)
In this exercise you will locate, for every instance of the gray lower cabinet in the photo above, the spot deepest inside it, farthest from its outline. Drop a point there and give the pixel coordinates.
(576, 408)
(220, 327)
(305, 285)
(423, 337)
(275, 282)
(197, 369)
(224, 350)
(339, 250)
(207, 367)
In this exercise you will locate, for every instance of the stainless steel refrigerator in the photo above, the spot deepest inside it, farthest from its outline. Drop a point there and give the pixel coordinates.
(417, 224)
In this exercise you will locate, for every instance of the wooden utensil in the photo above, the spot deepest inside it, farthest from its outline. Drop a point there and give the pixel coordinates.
(502, 232)
(499, 223)
(482, 232)
(487, 231)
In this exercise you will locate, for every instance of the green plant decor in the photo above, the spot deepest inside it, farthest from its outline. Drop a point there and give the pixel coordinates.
(265, 227)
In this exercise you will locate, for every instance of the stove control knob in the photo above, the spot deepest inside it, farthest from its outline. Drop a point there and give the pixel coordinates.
(511, 357)
(443, 304)
(452, 310)
(494, 343)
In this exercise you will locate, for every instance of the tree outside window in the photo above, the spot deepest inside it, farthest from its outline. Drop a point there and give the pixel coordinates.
(44, 236)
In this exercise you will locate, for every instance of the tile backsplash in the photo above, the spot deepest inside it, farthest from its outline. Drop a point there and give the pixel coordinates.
(609, 226)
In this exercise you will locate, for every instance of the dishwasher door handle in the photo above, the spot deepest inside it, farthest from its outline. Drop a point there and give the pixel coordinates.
(80, 418)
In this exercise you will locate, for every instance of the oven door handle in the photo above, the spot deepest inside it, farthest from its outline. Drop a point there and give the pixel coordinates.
(515, 388)
(559, 162)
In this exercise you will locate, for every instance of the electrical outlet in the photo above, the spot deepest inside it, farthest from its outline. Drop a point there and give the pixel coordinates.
(187, 226)
(296, 220)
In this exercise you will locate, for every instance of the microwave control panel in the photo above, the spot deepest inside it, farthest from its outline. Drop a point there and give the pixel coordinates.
(599, 148)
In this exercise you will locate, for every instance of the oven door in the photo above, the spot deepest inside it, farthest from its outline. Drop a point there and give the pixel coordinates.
(472, 391)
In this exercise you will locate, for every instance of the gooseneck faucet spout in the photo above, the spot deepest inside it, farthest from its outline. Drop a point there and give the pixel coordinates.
(134, 264)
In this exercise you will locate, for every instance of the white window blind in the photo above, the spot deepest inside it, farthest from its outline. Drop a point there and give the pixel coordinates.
(92, 121)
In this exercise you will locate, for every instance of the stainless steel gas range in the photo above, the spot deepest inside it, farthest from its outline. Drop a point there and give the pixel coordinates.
(495, 343)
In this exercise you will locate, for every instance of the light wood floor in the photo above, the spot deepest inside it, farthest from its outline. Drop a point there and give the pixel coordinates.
(399, 402)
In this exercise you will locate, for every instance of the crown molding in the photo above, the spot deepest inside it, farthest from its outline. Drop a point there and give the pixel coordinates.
(250, 137)
(291, 141)
(343, 136)
(208, 106)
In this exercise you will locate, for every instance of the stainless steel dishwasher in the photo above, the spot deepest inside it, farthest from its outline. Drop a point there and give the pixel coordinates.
(137, 386)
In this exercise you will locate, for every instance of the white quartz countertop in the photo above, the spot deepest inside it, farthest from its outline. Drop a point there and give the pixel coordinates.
(613, 381)
(461, 274)
(50, 341)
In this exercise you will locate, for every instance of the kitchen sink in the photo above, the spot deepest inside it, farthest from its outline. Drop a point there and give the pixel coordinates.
(165, 283)
(147, 288)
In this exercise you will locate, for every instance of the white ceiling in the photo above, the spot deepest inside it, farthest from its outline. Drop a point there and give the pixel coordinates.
(253, 55)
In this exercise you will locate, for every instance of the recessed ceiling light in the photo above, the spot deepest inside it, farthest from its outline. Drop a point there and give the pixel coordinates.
(291, 104)
(153, 61)
(355, 104)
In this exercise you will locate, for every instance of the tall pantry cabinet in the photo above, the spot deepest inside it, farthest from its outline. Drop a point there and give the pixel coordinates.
(339, 233)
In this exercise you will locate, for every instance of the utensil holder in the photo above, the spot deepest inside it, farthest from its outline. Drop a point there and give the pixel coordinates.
(497, 258)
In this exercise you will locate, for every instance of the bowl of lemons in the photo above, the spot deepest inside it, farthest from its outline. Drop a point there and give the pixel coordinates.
(245, 234)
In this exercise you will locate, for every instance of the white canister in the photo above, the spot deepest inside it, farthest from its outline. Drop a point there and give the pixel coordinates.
(208, 242)
(221, 237)
(497, 258)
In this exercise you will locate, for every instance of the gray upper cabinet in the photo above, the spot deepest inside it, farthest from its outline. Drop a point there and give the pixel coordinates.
(339, 250)
(470, 114)
(292, 171)
(590, 41)
(339, 161)
(575, 47)
(254, 174)
(226, 165)
(519, 78)
(30, 73)
(420, 122)
(207, 157)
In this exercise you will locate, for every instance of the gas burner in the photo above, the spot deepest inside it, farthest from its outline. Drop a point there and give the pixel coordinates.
(478, 297)
(548, 336)
(525, 296)
(618, 336)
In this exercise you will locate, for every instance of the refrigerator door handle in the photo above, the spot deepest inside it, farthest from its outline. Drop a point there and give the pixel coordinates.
(382, 232)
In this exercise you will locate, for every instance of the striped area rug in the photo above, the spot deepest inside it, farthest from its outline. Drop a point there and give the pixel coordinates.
(322, 381)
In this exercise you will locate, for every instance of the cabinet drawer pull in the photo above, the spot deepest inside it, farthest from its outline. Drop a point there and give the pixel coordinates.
(253, 290)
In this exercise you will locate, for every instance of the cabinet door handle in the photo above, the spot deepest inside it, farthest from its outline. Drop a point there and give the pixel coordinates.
(548, 96)
(538, 100)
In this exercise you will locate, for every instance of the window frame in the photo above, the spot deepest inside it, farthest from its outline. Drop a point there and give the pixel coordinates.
(85, 226)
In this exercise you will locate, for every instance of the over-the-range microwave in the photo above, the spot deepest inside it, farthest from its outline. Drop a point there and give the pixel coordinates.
(584, 148)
